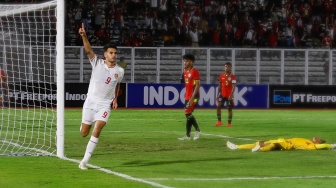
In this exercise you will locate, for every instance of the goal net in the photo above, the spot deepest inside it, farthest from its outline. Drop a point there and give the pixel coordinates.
(28, 116)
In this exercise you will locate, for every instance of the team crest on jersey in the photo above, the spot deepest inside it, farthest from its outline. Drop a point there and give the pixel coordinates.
(116, 76)
(189, 75)
(229, 79)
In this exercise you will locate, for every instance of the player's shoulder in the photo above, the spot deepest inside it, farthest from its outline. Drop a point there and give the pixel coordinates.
(233, 75)
(194, 69)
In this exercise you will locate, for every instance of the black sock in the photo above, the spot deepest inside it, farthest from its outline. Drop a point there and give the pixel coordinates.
(229, 119)
(188, 125)
(219, 117)
(194, 122)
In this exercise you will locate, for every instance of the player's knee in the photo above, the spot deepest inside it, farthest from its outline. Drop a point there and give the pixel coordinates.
(84, 133)
(189, 116)
(84, 130)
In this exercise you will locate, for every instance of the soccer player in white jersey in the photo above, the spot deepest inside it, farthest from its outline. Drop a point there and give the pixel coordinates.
(102, 93)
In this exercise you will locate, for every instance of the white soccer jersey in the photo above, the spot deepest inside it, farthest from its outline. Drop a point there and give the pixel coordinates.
(103, 81)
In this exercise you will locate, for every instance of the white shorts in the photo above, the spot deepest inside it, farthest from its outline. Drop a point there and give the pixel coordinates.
(93, 111)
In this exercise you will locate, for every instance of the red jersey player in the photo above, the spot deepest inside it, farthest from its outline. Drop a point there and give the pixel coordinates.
(226, 88)
(326, 40)
(4, 95)
(192, 86)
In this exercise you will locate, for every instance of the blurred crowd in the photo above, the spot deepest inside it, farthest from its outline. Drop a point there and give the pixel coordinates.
(215, 23)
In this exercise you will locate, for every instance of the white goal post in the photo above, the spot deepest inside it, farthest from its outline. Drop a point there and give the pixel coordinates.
(32, 79)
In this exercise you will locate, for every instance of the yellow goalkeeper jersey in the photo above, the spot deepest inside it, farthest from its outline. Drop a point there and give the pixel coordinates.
(293, 143)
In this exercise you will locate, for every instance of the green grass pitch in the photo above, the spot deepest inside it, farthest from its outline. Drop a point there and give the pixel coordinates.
(139, 148)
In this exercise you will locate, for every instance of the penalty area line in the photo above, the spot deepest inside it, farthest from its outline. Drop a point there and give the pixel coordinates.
(125, 176)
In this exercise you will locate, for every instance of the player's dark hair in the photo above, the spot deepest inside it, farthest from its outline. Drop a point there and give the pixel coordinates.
(189, 57)
(107, 46)
(228, 63)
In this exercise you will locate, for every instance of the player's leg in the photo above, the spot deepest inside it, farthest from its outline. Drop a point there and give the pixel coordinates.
(190, 116)
(246, 146)
(233, 146)
(265, 146)
(268, 147)
(230, 114)
(220, 103)
(188, 113)
(88, 113)
(101, 118)
(192, 119)
(325, 146)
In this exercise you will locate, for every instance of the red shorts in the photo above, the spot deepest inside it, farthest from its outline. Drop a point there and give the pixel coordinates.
(189, 108)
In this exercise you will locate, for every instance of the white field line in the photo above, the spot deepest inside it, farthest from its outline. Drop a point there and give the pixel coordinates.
(148, 180)
(119, 174)
(242, 178)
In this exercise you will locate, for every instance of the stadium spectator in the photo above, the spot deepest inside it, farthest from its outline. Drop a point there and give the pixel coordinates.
(118, 22)
(272, 42)
(205, 33)
(326, 40)
(261, 33)
(85, 17)
(215, 42)
(289, 35)
(305, 10)
(284, 144)
(272, 39)
(194, 35)
(98, 18)
(301, 15)
(78, 16)
(316, 31)
(333, 30)
(173, 36)
(227, 33)
(249, 37)
(222, 12)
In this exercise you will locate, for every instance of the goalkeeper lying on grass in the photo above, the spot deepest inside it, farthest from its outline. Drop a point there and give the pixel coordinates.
(284, 144)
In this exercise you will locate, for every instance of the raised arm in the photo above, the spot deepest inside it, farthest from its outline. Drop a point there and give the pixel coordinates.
(86, 42)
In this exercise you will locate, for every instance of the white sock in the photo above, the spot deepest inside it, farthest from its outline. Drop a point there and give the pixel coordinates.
(90, 148)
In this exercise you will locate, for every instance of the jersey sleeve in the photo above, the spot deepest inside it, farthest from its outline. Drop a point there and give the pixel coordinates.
(122, 72)
(94, 61)
(220, 78)
(196, 75)
(234, 79)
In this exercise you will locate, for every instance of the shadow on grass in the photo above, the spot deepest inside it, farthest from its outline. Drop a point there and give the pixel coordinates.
(152, 163)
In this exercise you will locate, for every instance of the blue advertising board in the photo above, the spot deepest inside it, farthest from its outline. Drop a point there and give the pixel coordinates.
(172, 96)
